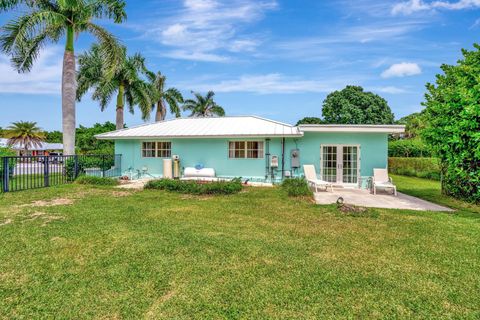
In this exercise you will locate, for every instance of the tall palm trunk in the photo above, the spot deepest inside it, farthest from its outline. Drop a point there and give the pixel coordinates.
(161, 111)
(68, 95)
(120, 107)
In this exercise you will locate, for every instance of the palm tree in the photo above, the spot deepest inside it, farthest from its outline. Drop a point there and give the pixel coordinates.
(203, 106)
(47, 21)
(126, 82)
(161, 97)
(25, 134)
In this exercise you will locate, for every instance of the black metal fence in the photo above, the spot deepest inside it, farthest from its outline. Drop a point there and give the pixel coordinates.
(31, 172)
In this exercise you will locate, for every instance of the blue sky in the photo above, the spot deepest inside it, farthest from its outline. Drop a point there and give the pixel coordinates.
(273, 58)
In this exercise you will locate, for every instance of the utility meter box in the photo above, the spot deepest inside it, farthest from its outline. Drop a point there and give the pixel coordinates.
(295, 158)
(274, 162)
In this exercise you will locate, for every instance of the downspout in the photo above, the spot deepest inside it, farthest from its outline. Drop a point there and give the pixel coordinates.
(267, 154)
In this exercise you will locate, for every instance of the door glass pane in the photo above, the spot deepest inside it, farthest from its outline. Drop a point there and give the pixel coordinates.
(350, 164)
(329, 163)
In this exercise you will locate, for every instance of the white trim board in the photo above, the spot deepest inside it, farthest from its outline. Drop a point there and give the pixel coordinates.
(351, 128)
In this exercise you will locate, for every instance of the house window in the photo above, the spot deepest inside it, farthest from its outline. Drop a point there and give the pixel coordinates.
(148, 149)
(164, 149)
(156, 149)
(245, 149)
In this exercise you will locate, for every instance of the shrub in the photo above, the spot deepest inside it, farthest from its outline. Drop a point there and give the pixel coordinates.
(427, 168)
(6, 152)
(296, 187)
(196, 187)
(99, 181)
(408, 148)
(85, 161)
(453, 125)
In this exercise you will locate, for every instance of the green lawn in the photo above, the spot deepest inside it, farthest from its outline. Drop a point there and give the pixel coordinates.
(83, 252)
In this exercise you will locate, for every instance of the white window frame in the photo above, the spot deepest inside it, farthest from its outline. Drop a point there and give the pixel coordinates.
(340, 169)
(157, 151)
(164, 152)
(245, 150)
(144, 149)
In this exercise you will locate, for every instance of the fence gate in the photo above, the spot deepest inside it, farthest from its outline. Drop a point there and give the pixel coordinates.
(31, 172)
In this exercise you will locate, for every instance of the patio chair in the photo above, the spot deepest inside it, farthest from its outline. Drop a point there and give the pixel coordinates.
(381, 180)
(312, 180)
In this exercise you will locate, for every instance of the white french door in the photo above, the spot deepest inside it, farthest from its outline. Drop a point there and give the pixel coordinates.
(340, 164)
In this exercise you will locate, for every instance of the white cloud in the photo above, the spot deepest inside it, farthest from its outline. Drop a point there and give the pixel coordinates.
(44, 78)
(413, 6)
(204, 27)
(342, 41)
(475, 24)
(200, 5)
(194, 56)
(402, 70)
(389, 89)
(265, 84)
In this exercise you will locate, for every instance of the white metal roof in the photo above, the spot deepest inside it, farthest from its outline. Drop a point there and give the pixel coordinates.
(358, 128)
(42, 146)
(214, 127)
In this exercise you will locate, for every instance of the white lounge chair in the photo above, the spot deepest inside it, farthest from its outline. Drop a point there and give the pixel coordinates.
(381, 180)
(312, 180)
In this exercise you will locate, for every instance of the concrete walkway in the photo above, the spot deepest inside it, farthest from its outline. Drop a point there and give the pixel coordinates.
(364, 198)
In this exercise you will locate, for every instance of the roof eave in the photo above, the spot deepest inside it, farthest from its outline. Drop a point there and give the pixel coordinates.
(296, 135)
(352, 128)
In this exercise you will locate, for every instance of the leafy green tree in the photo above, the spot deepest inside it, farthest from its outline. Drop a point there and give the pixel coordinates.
(453, 125)
(203, 106)
(414, 147)
(2, 132)
(53, 136)
(6, 152)
(46, 21)
(352, 105)
(162, 97)
(25, 134)
(126, 83)
(414, 124)
(310, 120)
(88, 144)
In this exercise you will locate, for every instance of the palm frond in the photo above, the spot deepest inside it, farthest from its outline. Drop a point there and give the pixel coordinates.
(104, 92)
(217, 110)
(24, 133)
(111, 51)
(90, 71)
(140, 93)
(112, 9)
(6, 5)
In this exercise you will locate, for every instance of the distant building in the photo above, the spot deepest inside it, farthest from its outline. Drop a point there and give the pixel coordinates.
(44, 149)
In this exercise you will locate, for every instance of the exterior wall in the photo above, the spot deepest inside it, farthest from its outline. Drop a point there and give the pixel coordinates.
(213, 153)
(373, 149)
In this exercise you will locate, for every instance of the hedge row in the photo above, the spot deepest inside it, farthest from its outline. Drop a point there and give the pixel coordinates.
(408, 148)
(98, 181)
(428, 168)
(195, 187)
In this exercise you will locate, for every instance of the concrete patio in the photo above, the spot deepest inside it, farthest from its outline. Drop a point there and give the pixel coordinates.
(364, 198)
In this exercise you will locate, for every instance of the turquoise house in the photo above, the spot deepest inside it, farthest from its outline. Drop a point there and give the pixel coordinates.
(254, 148)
